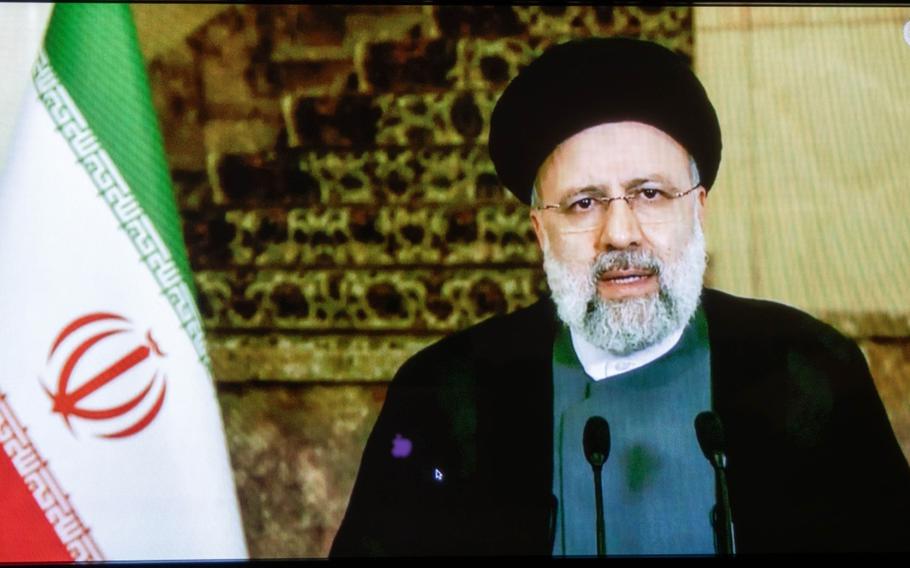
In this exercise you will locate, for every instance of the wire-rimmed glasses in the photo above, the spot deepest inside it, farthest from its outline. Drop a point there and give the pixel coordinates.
(586, 209)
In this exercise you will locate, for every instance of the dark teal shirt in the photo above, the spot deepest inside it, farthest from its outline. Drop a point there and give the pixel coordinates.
(658, 487)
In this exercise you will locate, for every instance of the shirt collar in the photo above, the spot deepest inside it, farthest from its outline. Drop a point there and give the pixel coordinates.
(600, 364)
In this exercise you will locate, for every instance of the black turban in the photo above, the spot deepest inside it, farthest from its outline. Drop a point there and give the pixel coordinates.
(583, 83)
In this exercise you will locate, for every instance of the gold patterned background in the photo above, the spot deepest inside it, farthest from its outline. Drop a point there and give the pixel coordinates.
(341, 212)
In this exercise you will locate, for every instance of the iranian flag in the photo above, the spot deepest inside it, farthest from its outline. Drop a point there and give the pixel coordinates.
(112, 442)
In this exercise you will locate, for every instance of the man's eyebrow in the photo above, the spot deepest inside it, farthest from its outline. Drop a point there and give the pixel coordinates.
(644, 179)
(590, 188)
(604, 189)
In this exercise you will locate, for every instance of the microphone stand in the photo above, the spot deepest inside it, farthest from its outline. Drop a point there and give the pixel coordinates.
(722, 518)
(599, 502)
(710, 434)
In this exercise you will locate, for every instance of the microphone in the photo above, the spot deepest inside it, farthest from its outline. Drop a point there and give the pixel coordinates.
(596, 442)
(710, 434)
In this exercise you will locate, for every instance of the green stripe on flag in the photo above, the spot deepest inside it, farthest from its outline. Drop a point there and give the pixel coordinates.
(94, 51)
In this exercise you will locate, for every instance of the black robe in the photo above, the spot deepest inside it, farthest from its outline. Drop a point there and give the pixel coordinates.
(813, 464)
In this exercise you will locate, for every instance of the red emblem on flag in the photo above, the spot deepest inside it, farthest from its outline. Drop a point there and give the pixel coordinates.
(107, 375)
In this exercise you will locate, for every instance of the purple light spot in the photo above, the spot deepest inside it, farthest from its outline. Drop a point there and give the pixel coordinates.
(401, 447)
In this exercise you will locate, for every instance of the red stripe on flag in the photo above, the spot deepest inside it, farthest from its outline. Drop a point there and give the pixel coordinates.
(25, 533)
(37, 521)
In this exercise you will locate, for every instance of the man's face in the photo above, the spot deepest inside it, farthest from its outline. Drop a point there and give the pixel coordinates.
(626, 282)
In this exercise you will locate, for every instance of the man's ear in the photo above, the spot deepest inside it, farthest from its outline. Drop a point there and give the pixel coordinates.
(702, 203)
(538, 228)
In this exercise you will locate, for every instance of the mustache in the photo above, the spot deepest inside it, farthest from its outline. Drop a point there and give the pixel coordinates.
(625, 260)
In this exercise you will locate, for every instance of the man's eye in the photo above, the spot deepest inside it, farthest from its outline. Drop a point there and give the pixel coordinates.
(651, 194)
(583, 204)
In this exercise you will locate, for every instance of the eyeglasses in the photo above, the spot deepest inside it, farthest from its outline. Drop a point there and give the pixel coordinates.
(587, 209)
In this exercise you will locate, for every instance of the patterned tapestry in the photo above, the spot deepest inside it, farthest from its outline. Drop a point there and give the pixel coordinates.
(341, 212)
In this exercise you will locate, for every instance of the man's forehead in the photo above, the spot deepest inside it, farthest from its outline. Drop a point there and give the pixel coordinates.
(621, 152)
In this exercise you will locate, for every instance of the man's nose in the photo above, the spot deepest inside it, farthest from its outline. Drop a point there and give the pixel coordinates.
(621, 228)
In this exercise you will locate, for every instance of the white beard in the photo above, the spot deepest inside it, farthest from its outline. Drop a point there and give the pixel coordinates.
(628, 325)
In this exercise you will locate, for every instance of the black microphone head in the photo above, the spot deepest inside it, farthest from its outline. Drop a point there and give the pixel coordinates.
(710, 434)
(597, 441)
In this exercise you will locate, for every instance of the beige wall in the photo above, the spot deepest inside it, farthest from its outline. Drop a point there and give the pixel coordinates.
(812, 203)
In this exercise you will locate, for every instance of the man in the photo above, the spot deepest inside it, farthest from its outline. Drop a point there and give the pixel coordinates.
(478, 448)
